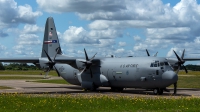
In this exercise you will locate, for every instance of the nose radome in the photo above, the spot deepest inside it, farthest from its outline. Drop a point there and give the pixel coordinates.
(170, 76)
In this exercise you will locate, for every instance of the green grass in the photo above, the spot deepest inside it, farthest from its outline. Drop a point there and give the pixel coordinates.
(100, 103)
(55, 81)
(18, 78)
(182, 72)
(189, 82)
(5, 87)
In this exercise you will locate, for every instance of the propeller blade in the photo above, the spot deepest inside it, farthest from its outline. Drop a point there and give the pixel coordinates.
(147, 52)
(180, 60)
(155, 54)
(91, 74)
(82, 71)
(55, 55)
(175, 86)
(86, 56)
(57, 71)
(177, 56)
(93, 57)
(48, 56)
(183, 54)
(185, 69)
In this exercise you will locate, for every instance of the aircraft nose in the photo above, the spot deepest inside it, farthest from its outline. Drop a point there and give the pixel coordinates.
(169, 77)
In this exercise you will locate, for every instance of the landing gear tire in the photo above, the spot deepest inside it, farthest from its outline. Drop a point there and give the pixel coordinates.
(117, 89)
(158, 91)
(155, 91)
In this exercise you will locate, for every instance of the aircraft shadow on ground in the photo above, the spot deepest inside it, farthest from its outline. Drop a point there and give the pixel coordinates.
(78, 89)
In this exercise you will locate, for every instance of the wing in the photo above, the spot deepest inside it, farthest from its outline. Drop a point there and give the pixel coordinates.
(21, 60)
(191, 59)
(72, 61)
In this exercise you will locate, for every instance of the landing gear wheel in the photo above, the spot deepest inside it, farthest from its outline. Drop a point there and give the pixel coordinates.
(158, 91)
(117, 89)
(155, 91)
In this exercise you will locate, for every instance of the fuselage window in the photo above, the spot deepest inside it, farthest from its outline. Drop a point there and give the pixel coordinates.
(161, 63)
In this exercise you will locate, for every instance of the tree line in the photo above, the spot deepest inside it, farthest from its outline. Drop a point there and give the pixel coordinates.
(18, 66)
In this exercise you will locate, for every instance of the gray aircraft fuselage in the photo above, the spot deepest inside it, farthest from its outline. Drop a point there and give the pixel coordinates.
(129, 72)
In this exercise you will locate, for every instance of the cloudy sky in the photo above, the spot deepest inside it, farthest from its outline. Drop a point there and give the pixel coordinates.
(118, 27)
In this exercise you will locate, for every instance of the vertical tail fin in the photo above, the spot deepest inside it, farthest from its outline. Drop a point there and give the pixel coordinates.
(50, 43)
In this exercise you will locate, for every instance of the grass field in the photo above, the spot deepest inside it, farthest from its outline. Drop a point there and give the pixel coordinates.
(18, 78)
(182, 72)
(5, 87)
(100, 103)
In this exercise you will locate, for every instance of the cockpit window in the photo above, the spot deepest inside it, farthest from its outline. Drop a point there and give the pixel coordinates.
(161, 63)
(155, 64)
(166, 63)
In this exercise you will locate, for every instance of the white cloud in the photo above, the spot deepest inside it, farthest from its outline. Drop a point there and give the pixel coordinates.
(23, 50)
(25, 14)
(136, 38)
(197, 40)
(81, 6)
(171, 52)
(119, 51)
(28, 39)
(32, 29)
(106, 43)
(122, 44)
(78, 35)
(105, 34)
(11, 14)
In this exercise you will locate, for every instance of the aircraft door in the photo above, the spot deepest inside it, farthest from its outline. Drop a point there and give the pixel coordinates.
(111, 74)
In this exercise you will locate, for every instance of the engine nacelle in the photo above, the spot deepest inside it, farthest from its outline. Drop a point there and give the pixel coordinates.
(42, 63)
(68, 73)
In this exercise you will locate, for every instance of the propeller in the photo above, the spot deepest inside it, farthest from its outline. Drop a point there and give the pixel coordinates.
(155, 55)
(88, 63)
(181, 61)
(147, 52)
(51, 63)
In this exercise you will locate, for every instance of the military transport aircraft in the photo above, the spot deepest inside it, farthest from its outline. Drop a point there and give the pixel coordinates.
(154, 73)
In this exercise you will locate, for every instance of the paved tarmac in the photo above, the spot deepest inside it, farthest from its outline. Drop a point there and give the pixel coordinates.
(22, 86)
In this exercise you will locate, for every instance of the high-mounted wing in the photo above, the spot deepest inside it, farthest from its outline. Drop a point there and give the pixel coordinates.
(21, 60)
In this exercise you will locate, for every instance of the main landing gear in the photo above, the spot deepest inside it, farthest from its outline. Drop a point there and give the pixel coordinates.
(158, 91)
(115, 89)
